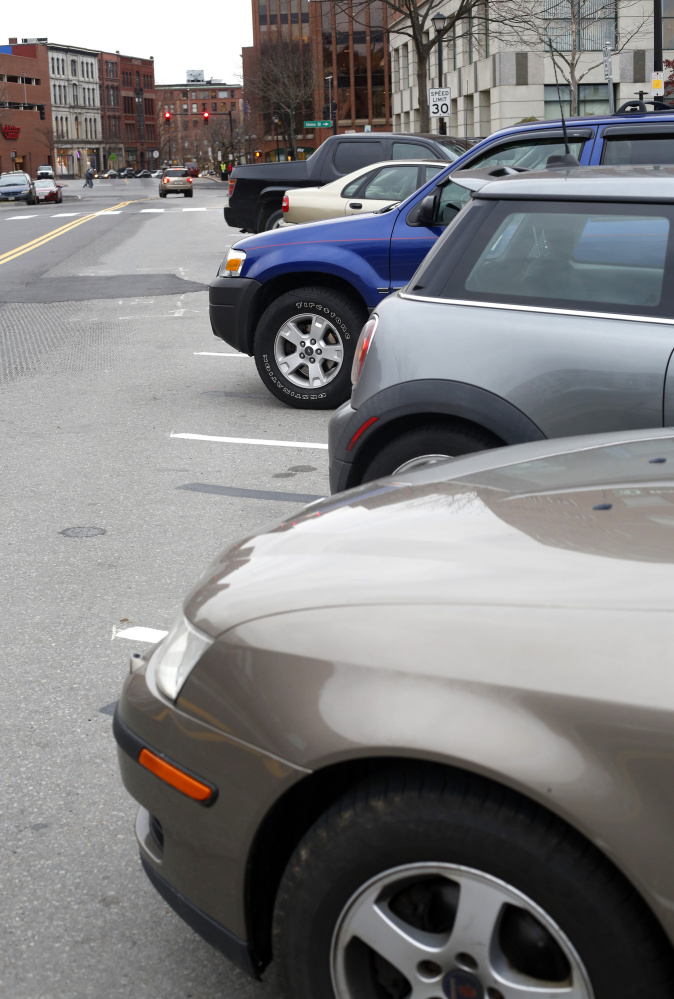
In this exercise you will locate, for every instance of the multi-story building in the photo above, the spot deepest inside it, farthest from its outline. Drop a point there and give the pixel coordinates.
(128, 111)
(495, 81)
(26, 139)
(206, 118)
(76, 108)
(349, 60)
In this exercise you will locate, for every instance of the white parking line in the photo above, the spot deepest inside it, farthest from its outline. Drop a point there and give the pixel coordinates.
(108, 212)
(15, 218)
(145, 211)
(250, 440)
(65, 215)
(194, 209)
(140, 634)
(216, 353)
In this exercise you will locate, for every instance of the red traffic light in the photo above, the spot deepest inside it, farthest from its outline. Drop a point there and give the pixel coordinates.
(205, 115)
(167, 115)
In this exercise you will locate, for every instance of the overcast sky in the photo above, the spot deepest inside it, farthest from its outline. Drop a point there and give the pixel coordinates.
(209, 37)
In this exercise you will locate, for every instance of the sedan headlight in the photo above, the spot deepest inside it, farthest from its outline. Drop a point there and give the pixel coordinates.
(173, 661)
(232, 263)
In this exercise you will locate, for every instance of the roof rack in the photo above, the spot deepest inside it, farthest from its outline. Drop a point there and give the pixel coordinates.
(636, 106)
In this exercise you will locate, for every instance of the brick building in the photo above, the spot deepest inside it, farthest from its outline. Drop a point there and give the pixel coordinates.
(76, 110)
(187, 136)
(128, 111)
(26, 140)
(351, 66)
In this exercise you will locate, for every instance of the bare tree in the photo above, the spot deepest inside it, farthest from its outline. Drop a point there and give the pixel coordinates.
(282, 83)
(573, 31)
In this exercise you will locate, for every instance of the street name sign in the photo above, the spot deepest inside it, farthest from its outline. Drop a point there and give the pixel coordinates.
(439, 102)
(317, 124)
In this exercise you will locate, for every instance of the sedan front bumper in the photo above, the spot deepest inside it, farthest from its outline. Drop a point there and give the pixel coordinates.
(196, 854)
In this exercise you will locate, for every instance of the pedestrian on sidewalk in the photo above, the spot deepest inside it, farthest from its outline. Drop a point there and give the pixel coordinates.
(89, 178)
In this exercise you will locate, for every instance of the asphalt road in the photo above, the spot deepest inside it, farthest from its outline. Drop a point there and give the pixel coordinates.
(105, 352)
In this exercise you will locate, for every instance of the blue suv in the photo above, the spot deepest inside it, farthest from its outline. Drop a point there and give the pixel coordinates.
(296, 297)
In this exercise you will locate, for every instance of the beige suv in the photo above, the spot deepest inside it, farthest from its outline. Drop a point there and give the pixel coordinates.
(176, 180)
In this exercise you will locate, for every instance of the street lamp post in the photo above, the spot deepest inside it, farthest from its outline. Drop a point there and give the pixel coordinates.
(439, 23)
(333, 116)
(275, 120)
(657, 36)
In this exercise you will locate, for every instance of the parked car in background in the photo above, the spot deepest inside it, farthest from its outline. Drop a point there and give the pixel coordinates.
(418, 740)
(271, 281)
(545, 310)
(192, 168)
(365, 190)
(156, 173)
(17, 186)
(44, 172)
(256, 190)
(127, 172)
(48, 191)
(176, 180)
(143, 173)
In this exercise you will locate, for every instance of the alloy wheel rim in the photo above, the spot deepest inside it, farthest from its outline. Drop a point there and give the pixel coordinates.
(433, 931)
(423, 461)
(309, 351)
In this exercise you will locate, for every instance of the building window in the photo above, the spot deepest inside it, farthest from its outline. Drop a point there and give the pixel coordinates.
(56, 101)
(52, 65)
(194, 109)
(668, 24)
(95, 129)
(77, 127)
(67, 129)
(75, 94)
(404, 67)
(185, 108)
(593, 23)
(73, 67)
(592, 99)
(222, 93)
(214, 106)
(63, 67)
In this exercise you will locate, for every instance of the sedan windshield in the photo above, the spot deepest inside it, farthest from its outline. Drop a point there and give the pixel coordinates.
(45, 184)
(18, 181)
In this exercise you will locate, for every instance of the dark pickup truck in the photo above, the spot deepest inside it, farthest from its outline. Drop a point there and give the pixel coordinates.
(256, 190)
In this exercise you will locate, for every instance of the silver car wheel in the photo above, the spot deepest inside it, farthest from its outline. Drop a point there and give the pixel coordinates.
(421, 462)
(462, 954)
(308, 351)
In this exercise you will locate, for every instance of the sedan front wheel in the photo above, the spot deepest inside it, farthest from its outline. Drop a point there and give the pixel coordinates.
(429, 885)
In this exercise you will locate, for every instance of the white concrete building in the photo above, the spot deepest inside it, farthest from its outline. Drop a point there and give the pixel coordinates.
(494, 85)
(76, 109)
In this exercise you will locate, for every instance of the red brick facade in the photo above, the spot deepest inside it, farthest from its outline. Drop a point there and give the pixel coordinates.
(187, 135)
(24, 87)
(128, 111)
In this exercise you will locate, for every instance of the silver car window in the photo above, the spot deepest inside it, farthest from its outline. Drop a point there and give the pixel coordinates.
(577, 256)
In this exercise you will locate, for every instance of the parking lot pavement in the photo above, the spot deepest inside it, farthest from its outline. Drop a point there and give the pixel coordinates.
(114, 410)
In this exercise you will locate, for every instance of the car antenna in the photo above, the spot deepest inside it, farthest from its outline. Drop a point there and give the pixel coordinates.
(568, 159)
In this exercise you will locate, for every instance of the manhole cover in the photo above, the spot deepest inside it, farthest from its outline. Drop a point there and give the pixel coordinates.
(82, 532)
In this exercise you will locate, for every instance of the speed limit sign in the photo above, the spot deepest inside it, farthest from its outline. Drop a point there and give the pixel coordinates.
(439, 101)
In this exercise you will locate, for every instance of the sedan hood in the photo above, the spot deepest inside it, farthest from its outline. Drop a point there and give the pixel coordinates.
(586, 523)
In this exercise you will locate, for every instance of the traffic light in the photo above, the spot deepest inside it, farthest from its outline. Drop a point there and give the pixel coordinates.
(258, 154)
(41, 110)
(167, 115)
(326, 111)
(205, 115)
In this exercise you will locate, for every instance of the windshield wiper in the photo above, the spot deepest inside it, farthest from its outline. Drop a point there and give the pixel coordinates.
(386, 208)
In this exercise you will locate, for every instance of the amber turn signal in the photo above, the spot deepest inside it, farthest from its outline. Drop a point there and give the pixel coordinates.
(176, 778)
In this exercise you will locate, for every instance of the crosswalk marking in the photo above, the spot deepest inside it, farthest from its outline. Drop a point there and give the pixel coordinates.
(14, 218)
(145, 211)
(107, 211)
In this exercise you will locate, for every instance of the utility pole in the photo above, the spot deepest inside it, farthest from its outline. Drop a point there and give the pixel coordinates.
(333, 113)
(657, 36)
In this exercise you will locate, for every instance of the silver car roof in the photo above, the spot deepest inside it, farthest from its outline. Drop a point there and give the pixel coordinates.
(624, 183)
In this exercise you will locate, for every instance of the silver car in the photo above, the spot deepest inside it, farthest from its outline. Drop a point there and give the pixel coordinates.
(176, 180)
(418, 739)
(546, 309)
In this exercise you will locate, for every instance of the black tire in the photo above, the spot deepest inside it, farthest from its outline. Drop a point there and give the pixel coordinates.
(433, 441)
(344, 321)
(267, 217)
(442, 818)
(162, 195)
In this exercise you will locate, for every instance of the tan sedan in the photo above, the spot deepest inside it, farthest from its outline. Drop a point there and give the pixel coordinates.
(365, 190)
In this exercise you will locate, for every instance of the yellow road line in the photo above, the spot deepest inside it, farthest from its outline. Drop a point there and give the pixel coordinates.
(9, 255)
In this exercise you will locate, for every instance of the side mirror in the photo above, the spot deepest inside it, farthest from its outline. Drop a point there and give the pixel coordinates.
(426, 214)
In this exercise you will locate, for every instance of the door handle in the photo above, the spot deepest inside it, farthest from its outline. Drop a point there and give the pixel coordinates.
(355, 204)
